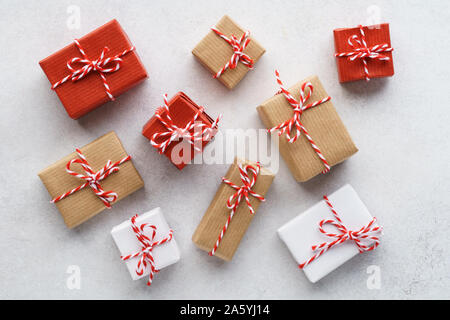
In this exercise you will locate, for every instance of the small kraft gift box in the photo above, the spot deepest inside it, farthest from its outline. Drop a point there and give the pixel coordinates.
(91, 179)
(330, 233)
(180, 129)
(146, 244)
(312, 135)
(228, 52)
(94, 69)
(363, 52)
(233, 208)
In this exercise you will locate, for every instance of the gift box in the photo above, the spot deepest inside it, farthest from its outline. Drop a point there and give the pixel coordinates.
(232, 208)
(228, 52)
(91, 179)
(94, 69)
(363, 52)
(317, 138)
(146, 244)
(330, 233)
(180, 129)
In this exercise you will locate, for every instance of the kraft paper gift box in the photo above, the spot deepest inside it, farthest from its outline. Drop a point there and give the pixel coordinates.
(164, 254)
(354, 70)
(302, 232)
(182, 110)
(215, 218)
(89, 92)
(323, 124)
(214, 52)
(83, 204)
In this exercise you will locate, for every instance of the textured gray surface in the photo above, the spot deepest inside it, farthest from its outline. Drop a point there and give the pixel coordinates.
(399, 124)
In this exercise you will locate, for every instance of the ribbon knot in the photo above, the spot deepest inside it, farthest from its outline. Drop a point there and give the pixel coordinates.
(101, 65)
(93, 179)
(299, 106)
(193, 132)
(362, 51)
(366, 238)
(249, 174)
(147, 245)
(238, 45)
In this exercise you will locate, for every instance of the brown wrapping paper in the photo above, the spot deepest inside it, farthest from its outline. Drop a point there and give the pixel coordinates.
(214, 52)
(323, 124)
(84, 204)
(214, 219)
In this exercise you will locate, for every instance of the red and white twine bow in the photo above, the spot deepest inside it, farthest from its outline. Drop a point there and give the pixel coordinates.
(238, 46)
(295, 122)
(366, 238)
(362, 51)
(93, 178)
(102, 65)
(193, 132)
(243, 191)
(146, 252)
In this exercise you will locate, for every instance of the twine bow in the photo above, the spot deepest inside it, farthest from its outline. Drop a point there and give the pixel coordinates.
(101, 65)
(243, 191)
(192, 132)
(146, 251)
(295, 122)
(238, 46)
(93, 178)
(364, 52)
(364, 238)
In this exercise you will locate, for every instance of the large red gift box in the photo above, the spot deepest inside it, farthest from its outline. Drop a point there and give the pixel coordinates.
(182, 111)
(376, 35)
(98, 71)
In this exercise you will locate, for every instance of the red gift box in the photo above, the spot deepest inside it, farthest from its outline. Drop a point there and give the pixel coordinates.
(363, 52)
(180, 113)
(85, 75)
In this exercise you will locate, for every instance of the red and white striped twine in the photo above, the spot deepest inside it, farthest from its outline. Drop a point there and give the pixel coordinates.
(363, 52)
(295, 122)
(102, 65)
(193, 132)
(146, 252)
(238, 46)
(365, 238)
(93, 178)
(242, 192)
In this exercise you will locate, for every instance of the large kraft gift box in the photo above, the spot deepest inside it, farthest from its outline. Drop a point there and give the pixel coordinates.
(84, 204)
(323, 124)
(214, 52)
(87, 93)
(216, 215)
(182, 110)
(354, 70)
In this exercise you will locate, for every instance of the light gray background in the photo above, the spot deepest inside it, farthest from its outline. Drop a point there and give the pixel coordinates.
(400, 125)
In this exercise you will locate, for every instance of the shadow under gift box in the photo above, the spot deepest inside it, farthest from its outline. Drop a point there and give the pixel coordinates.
(213, 52)
(323, 124)
(354, 70)
(84, 204)
(215, 217)
(182, 110)
(84, 95)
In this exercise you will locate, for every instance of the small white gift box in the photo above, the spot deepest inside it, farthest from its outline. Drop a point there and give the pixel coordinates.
(158, 247)
(350, 227)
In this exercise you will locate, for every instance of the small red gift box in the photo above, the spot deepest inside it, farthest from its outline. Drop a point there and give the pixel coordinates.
(363, 52)
(94, 69)
(180, 120)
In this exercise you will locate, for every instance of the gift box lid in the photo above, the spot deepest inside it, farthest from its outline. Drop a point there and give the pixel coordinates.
(302, 232)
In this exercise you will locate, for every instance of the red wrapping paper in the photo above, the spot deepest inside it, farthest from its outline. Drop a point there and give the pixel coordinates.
(88, 93)
(354, 70)
(182, 109)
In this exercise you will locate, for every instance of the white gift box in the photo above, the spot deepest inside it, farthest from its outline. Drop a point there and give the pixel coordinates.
(302, 232)
(164, 254)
